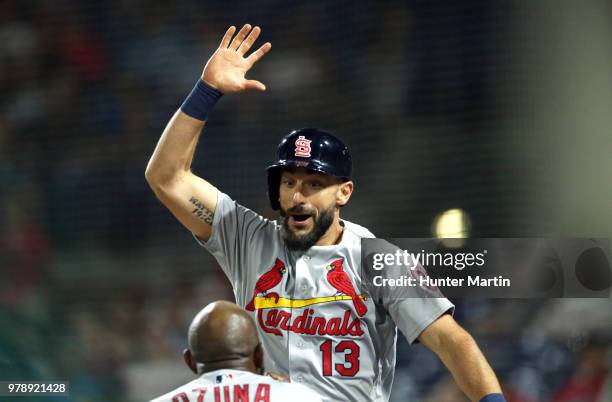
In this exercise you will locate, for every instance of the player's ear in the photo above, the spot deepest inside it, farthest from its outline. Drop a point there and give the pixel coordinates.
(189, 360)
(259, 357)
(345, 189)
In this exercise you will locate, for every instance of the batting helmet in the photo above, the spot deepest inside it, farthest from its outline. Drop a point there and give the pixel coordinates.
(310, 148)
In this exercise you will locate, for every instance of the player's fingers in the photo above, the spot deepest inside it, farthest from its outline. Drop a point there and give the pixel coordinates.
(240, 37)
(279, 377)
(227, 37)
(254, 85)
(248, 42)
(259, 53)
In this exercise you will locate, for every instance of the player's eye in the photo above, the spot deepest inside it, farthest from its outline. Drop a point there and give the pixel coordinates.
(287, 182)
(316, 184)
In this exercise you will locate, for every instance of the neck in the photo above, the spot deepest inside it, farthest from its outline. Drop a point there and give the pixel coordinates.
(333, 234)
(239, 364)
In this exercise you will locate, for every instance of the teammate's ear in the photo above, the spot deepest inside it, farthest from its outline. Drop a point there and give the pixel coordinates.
(344, 192)
(259, 357)
(189, 360)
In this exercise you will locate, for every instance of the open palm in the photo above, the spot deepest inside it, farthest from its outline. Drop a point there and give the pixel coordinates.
(227, 67)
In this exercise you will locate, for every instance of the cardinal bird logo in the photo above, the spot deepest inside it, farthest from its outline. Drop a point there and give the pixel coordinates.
(341, 281)
(267, 281)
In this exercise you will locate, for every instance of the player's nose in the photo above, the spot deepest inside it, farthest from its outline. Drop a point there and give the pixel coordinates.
(298, 195)
(298, 198)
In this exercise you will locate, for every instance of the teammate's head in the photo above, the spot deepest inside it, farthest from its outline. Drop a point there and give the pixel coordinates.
(309, 183)
(223, 336)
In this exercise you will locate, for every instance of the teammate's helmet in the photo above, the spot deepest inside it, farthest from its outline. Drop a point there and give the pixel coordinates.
(312, 149)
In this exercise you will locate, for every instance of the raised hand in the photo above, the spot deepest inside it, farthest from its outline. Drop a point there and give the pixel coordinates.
(227, 67)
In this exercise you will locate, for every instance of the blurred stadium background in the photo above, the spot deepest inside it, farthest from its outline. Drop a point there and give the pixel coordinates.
(500, 108)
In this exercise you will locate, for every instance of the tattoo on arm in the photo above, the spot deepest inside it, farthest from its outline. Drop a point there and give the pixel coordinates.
(201, 212)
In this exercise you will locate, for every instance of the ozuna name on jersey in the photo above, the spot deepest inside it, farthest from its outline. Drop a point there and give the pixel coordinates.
(228, 393)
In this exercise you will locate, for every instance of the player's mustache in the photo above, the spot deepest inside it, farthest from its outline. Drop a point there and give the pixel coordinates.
(297, 210)
(300, 210)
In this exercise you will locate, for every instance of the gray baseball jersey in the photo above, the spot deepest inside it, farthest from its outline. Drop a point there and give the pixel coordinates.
(238, 386)
(314, 324)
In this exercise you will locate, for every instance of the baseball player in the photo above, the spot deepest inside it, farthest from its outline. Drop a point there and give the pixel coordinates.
(225, 352)
(300, 276)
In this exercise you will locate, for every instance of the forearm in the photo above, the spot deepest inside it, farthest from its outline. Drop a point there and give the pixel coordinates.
(174, 151)
(470, 369)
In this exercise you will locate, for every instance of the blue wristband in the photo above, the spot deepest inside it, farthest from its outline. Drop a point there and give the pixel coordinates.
(200, 101)
(493, 398)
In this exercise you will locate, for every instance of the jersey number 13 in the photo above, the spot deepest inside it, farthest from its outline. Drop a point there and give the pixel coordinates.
(349, 367)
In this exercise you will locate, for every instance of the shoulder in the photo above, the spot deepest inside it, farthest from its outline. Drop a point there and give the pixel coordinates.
(298, 392)
(357, 230)
(185, 389)
(231, 210)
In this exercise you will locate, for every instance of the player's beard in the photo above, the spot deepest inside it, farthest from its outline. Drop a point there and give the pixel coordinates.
(321, 223)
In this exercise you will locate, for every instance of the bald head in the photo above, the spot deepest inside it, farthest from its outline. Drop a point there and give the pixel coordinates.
(223, 335)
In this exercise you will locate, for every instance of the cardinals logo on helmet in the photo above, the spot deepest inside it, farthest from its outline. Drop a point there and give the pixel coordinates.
(342, 283)
(267, 281)
(302, 147)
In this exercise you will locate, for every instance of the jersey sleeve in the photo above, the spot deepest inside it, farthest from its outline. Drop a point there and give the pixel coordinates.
(413, 315)
(235, 229)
